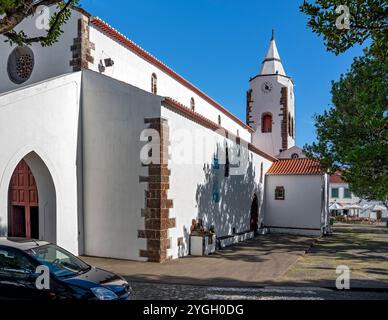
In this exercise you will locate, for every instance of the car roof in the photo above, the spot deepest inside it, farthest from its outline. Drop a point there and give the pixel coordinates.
(22, 244)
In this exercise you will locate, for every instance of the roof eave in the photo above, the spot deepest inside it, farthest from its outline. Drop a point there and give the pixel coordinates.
(130, 45)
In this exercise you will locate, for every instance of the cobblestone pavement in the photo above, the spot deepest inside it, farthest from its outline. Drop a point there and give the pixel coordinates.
(154, 291)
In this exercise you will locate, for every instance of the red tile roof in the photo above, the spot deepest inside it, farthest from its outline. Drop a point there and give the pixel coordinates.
(296, 167)
(123, 40)
(337, 178)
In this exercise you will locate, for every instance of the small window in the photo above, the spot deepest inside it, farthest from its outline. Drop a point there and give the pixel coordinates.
(192, 104)
(154, 84)
(293, 127)
(289, 125)
(280, 193)
(266, 123)
(347, 194)
(227, 163)
(295, 156)
(20, 64)
(335, 193)
(219, 121)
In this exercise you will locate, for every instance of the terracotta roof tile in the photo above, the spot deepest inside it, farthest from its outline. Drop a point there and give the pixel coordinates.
(296, 167)
(336, 178)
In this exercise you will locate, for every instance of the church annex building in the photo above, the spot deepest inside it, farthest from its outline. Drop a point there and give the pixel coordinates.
(107, 152)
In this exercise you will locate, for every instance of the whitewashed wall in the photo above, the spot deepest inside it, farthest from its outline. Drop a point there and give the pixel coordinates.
(113, 119)
(290, 152)
(302, 207)
(132, 69)
(49, 61)
(191, 185)
(43, 119)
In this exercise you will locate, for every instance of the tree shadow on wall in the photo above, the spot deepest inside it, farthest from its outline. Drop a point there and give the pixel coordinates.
(224, 201)
(184, 247)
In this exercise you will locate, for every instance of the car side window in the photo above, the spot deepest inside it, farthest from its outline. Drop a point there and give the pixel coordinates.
(14, 264)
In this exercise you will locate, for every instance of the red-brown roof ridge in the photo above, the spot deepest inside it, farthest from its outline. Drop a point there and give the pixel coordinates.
(296, 167)
(129, 44)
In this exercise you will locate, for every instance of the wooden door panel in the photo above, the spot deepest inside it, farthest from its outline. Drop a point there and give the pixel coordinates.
(18, 221)
(23, 197)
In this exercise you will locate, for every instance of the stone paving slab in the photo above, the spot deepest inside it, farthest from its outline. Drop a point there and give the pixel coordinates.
(253, 263)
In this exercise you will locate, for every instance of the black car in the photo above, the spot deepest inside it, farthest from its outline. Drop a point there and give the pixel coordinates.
(38, 270)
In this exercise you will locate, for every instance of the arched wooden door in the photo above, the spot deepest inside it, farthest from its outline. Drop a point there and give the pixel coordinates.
(255, 214)
(24, 204)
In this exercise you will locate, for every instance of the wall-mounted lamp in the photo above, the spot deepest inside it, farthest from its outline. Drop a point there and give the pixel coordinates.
(106, 63)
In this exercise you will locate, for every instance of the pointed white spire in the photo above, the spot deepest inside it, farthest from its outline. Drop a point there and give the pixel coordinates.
(272, 63)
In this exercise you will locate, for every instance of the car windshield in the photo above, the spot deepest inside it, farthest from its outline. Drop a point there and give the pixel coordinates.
(60, 262)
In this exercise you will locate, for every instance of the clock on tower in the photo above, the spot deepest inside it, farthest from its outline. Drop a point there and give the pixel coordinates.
(270, 109)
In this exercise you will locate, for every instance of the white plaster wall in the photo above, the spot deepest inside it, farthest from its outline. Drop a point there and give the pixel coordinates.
(132, 69)
(302, 207)
(270, 102)
(47, 197)
(43, 118)
(192, 181)
(113, 119)
(49, 61)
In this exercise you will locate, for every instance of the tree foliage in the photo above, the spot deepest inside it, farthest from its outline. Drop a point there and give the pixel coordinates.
(367, 20)
(13, 12)
(353, 134)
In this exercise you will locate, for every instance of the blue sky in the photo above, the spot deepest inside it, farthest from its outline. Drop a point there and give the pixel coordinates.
(219, 44)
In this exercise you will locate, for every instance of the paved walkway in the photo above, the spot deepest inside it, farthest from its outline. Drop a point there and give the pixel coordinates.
(250, 264)
(274, 260)
(363, 248)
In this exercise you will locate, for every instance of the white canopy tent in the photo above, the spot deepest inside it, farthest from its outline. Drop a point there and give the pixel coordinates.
(354, 208)
(378, 208)
(336, 207)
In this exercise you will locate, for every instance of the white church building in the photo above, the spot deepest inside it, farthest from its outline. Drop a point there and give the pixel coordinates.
(108, 152)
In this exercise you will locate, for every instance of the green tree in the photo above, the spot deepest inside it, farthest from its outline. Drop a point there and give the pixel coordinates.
(342, 29)
(13, 12)
(353, 134)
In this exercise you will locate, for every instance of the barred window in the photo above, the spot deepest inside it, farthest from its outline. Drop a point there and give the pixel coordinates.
(280, 193)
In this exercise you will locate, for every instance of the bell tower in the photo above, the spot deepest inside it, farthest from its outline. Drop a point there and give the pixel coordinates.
(271, 105)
